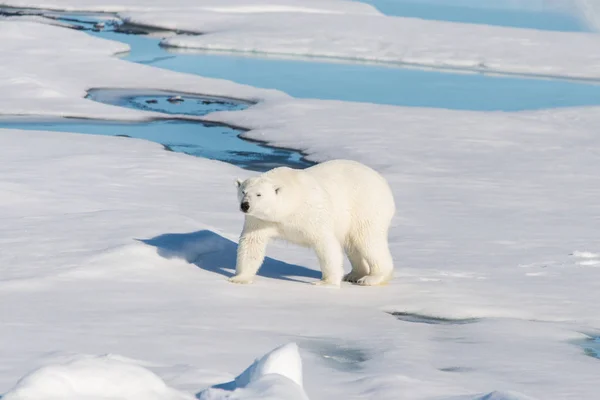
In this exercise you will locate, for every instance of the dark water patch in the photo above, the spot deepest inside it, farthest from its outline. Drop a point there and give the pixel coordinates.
(456, 369)
(591, 346)
(349, 358)
(90, 21)
(338, 354)
(86, 21)
(426, 319)
(168, 102)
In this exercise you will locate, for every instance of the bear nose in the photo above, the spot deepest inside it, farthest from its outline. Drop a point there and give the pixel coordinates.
(245, 206)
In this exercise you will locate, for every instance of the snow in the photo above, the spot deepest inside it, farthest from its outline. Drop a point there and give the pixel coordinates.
(275, 376)
(284, 361)
(36, 18)
(113, 245)
(385, 39)
(93, 378)
(518, 172)
(101, 233)
(237, 6)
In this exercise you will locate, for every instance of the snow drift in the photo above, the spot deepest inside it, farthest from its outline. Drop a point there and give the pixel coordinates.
(275, 376)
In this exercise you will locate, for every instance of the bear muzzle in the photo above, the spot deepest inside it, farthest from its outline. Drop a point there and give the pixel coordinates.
(245, 206)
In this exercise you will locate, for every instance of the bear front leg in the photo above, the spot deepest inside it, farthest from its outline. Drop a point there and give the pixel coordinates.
(250, 256)
(331, 260)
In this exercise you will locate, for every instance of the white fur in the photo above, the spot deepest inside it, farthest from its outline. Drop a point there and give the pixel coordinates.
(332, 207)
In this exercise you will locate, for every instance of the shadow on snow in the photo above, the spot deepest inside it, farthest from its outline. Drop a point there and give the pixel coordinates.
(214, 253)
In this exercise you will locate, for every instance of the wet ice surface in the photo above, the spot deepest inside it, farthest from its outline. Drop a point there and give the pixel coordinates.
(337, 353)
(591, 346)
(545, 19)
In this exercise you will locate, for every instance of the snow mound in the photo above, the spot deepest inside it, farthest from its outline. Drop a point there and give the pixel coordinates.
(284, 360)
(275, 376)
(93, 378)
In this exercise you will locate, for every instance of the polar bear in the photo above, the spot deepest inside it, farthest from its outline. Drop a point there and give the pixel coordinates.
(335, 205)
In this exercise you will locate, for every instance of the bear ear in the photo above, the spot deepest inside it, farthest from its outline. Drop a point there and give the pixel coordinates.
(238, 182)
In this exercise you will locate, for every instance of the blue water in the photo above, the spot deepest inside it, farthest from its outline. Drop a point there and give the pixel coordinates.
(369, 83)
(300, 78)
(591, 347)
(394, 86)
(479, 14)
(365, 83)
(359, 82)
(216, 143)
(196, 138)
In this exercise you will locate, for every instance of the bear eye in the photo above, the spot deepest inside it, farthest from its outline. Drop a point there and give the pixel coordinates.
(258, 194)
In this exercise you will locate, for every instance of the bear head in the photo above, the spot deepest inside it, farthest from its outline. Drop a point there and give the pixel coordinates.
(260, 198)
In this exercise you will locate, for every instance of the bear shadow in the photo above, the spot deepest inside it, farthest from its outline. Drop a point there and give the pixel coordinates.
(214, 253)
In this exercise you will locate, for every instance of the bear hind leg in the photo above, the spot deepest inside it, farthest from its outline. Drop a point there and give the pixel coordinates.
(375, 250)
(360, 267)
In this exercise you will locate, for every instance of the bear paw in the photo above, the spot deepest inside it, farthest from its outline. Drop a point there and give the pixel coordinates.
(372, 280)
(240, 279)
(352, 277)
(327, 284)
